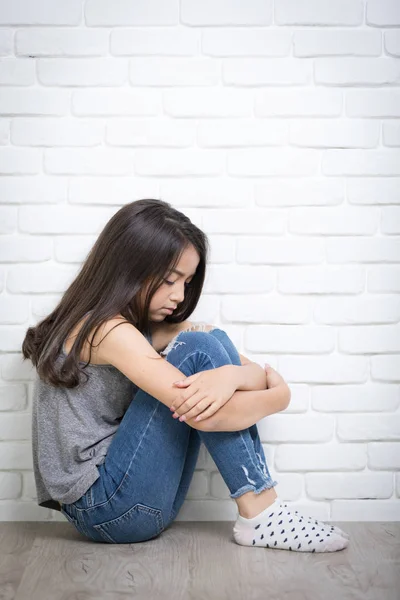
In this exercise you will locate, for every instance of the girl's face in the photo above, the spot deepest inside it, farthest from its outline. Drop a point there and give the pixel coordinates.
(172, 290)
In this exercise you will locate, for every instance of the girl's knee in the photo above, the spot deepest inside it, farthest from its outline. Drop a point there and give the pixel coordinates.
(198, 332)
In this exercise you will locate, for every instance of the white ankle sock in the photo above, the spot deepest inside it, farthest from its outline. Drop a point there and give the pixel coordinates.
(332, 528)
(278, 528)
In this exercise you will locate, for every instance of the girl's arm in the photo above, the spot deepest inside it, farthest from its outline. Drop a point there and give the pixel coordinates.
(245, 409)
(249, 376)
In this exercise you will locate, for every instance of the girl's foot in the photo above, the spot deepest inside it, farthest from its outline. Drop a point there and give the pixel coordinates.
(278, 528)
(332, 528)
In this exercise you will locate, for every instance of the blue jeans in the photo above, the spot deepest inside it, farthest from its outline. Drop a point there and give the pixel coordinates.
(150, 462)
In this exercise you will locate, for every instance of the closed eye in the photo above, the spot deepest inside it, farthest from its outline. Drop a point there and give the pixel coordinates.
(172, 282)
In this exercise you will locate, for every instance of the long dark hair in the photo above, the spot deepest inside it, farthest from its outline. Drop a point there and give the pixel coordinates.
(138, 246)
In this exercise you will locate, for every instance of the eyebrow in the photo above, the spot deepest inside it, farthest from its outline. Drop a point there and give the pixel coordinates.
(180, 272)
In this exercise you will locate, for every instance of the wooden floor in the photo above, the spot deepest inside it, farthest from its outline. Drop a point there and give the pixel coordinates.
(194, 560)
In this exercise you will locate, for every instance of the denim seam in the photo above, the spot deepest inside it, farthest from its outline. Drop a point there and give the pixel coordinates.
(252, 488)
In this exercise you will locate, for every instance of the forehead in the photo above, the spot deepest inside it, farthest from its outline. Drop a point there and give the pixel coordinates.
(187, 264)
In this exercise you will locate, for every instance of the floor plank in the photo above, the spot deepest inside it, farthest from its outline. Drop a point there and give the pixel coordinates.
(194, 560)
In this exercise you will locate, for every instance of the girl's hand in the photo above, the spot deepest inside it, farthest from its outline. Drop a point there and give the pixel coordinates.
(273, 377)
(204, 393)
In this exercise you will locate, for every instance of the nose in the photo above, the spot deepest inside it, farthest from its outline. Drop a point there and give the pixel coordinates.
(178, 294)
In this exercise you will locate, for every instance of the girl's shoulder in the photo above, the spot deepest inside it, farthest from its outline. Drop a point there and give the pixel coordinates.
(92, 352)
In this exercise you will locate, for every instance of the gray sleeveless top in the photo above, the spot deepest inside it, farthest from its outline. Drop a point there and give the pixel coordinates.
(72, 429)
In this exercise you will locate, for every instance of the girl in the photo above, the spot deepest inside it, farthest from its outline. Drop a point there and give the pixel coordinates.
(107, 452)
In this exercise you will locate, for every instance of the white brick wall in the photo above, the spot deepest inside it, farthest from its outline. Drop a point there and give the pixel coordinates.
(275, 126)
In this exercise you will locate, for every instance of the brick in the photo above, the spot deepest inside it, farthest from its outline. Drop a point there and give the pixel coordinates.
(319, 12)
(373, 103)
(246, 42)
(37, 279)
(151, 132)
(16, 455)
(248, 221)
(289, 339)
(179, 162)
(390, 222)
(4, 132)
(338, 133)
(288, 192)
(357, 71)
(42, 306)
(371, 397)
(384, 279)
(14, 368)
(357, 162)
(174, 71)
(391, 134)
(142, 12)
(115, 103)
(8, 219)
(14, 310)
(218, 12)
(326, 370)
(25, 249)
(13, 397)
(383, 12)
(19, 161)
(101, 161)
(278, 428)
(10, 485)
(208, 103)
(251, 309)
(281, 251)
(373, 309)
(238, 279)
(61, 42)
(330, 457)
(244, 132)
(314, 280)
(379, 190)
(34, 102)
(298, 103)
(385, 455)
(392, 42)
(15, 71)
(368, 427)
(33, 190)
(110, 190)
(265, 71)
(15, 426)
(199, 485)
(56, 132)
(334, 221)
(154, 42)
(85, 72)
(72, 249)
(272, 162)
(63, 219)
(385, 368)
(206, 193)
(375, 250)
(352, 485)
(374, 339)
(45, 12)
(6, 42)
(365, 510)
(351, 42)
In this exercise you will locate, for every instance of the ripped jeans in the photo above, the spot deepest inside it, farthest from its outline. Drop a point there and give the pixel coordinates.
(150, 462)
